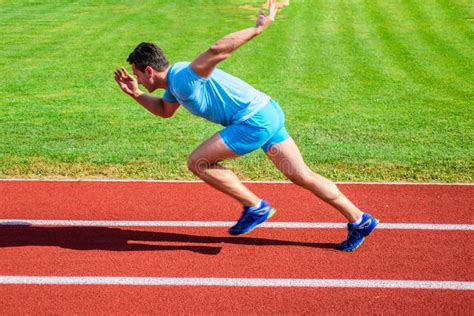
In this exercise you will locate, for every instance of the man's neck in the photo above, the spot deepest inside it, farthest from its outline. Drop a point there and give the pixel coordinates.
(161, 79)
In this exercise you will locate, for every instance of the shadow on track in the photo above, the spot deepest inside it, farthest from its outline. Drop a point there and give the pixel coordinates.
(118, 239)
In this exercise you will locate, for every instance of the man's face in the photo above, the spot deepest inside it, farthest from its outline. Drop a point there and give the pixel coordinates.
(144, 78)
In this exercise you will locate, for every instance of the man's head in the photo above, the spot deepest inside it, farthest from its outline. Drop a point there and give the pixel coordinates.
(147, 60)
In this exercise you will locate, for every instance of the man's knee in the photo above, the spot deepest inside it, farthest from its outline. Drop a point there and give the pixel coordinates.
(196, 165)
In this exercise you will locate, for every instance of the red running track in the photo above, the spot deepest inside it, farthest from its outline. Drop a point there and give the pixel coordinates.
(109, 300)
(210, 252)
(89, 200)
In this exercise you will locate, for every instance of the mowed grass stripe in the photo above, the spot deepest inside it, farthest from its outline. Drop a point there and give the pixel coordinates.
(435, 18)
(433, 47)
(400, 41)
(23, 14)
(387, 44)
(385, 71)
(303, 59)
(375, 44)
(337, 57)
(459, 17)
(364, 75)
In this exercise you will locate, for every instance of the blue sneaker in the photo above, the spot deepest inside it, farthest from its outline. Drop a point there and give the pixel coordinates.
(250, 219)
(357, 233)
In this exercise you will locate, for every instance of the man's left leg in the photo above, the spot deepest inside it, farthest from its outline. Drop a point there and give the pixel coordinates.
(287, 158)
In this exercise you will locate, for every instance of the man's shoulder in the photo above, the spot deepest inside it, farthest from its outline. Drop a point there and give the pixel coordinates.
(175, 72)
(179, 66)
(181, 74)
(183, 81)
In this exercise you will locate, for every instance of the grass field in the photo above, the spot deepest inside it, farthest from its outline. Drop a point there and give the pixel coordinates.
(377, 90)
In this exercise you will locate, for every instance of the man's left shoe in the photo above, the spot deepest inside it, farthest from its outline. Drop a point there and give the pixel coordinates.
(250, 219)
(357, 233)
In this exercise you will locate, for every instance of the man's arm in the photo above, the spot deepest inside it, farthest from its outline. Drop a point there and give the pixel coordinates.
(205, 63)
(155, 105)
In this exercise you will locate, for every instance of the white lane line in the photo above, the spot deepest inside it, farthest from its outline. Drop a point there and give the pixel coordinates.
(301, 225)
(245, 181)
(239, 282)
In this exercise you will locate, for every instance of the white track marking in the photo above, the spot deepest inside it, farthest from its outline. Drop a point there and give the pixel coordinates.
(248, 181)
(292, 225)
(239, 282)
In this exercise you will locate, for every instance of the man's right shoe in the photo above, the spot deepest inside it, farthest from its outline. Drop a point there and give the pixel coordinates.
(357, 233)
(250, 219)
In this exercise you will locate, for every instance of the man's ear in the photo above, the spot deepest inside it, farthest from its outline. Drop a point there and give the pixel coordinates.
(149, 71)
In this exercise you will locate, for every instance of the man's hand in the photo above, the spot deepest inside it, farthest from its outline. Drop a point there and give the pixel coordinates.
(127, 82)
(264, 21)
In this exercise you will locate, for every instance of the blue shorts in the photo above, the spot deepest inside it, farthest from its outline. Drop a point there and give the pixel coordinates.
(263, 130)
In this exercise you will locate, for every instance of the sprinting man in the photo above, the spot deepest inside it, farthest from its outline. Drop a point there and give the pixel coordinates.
(251, 120)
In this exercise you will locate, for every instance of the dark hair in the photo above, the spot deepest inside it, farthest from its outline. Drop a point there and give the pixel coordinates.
(148, 54)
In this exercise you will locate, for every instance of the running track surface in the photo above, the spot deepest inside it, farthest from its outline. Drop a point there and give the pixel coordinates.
(284, 258)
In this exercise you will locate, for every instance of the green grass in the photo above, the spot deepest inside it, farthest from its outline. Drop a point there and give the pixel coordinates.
(373, 90)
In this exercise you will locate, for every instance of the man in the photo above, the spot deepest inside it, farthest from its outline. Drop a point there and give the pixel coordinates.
(251, 118)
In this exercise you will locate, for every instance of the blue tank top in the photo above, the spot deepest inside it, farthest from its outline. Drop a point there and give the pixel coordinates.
(222, 98)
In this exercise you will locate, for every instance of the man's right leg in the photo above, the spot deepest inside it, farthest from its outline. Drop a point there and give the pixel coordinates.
(204, 163)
